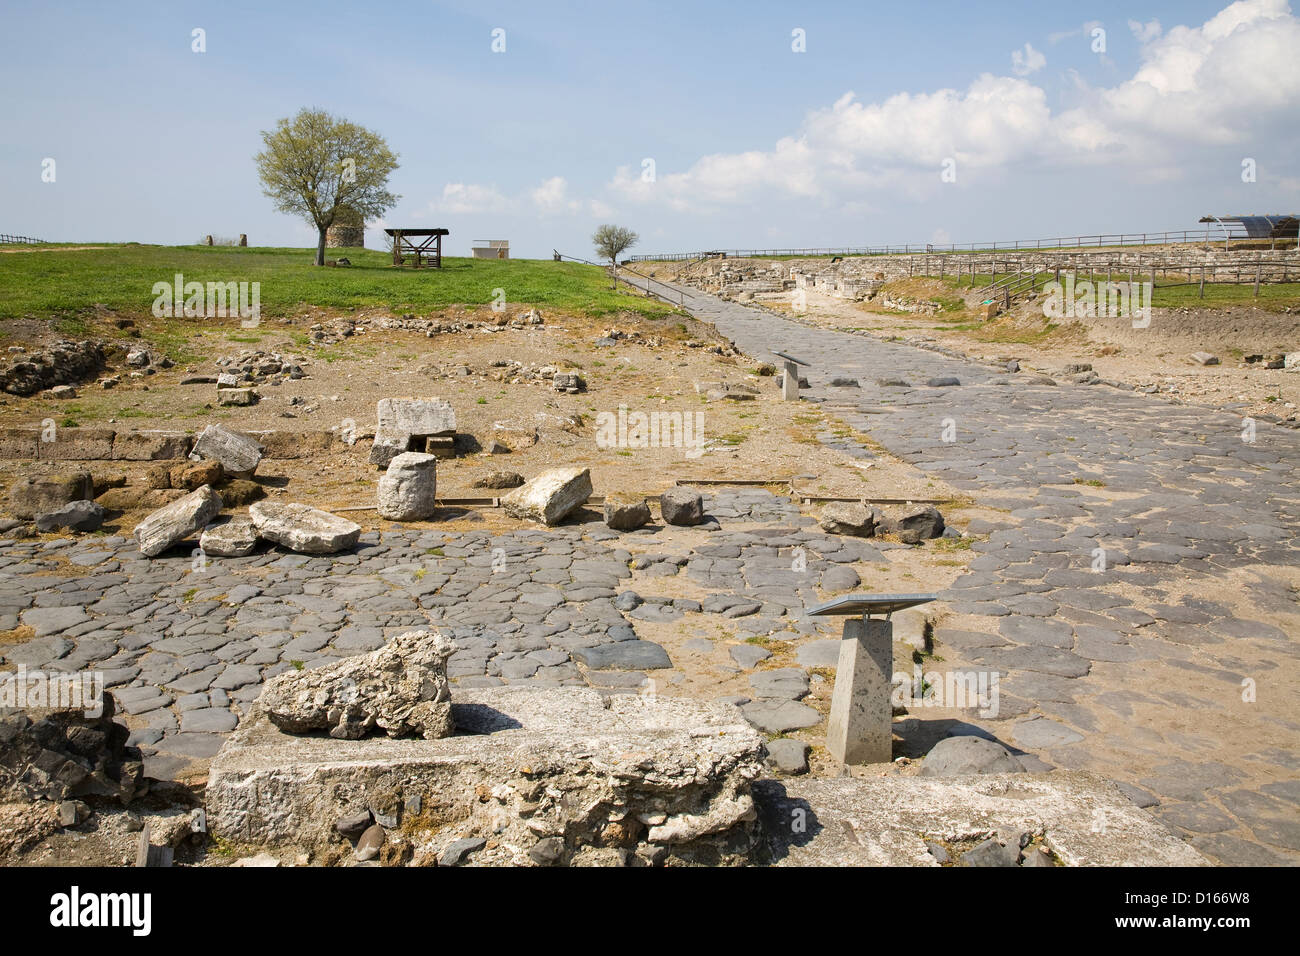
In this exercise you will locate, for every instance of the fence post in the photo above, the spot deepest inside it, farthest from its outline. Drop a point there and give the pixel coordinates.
(1257, 267)
(1202, 291)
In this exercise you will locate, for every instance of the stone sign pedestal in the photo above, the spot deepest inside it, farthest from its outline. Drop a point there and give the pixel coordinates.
(860, 727)
(790, 383)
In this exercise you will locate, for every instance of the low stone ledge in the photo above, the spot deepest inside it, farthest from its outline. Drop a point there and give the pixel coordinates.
(77, 444)
(151, 446)
(107, 444)
(1082, 818)
(279, 444)
(561, 766)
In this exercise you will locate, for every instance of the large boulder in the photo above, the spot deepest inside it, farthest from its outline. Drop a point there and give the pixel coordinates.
(955, 756)
(850, 518)
(238, 454)
(303, 528)
(404, 420)
(681, 506)
(400, 689)
(173, 523)
(232, 539)
(407, 489)
(41, 493)
(915, 523)
(551, 496)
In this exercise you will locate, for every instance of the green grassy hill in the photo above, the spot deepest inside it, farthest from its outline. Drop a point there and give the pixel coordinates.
(57, 283)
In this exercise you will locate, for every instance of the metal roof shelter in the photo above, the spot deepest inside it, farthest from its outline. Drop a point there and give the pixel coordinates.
(1271, 226)
(403, 245)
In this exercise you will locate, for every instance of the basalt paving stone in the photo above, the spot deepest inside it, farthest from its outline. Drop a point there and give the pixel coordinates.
(1026, 630)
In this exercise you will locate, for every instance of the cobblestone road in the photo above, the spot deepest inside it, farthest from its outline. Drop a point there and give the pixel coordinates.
(1173, 668)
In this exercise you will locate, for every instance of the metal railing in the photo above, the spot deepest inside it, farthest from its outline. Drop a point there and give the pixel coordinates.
(671, 295)
(1218, 233)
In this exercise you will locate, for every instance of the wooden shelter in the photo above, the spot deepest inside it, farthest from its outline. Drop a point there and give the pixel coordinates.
(430, 248)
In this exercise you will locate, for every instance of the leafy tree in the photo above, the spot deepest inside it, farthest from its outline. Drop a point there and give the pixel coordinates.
(610, 241)
(316, 164)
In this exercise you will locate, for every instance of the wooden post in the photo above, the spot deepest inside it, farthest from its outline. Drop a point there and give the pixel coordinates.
(1202, 292)
(397, 247)
(1257, 268)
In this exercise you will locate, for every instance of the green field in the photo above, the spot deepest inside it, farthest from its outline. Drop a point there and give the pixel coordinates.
(61, 284)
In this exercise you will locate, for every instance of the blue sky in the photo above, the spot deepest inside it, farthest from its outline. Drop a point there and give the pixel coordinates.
(752, 144)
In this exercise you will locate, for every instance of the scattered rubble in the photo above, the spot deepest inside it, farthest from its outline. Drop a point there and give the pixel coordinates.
(231, 539)
(955, 756)
(551, 496)
(914, 524)
(304, 529)
(63, 363)
(173, 523)
(67, 749)
(75, 516)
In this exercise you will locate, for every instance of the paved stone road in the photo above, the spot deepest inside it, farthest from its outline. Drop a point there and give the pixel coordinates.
(1175, 666)
(186, 644)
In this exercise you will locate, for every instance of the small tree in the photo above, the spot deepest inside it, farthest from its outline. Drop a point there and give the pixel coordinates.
(610, 241)
(317, 164)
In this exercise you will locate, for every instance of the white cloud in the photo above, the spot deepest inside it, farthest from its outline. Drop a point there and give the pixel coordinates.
(467, 198)
(550, 197)
(1027, 61)
(1144, 32)
(1233, 79)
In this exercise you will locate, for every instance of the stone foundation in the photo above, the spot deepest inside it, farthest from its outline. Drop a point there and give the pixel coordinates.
(565, 768)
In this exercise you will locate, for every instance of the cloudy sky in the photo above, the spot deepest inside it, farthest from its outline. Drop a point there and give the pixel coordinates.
(699, 125)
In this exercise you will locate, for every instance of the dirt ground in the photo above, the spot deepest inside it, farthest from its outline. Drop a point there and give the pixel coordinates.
(652, 368)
